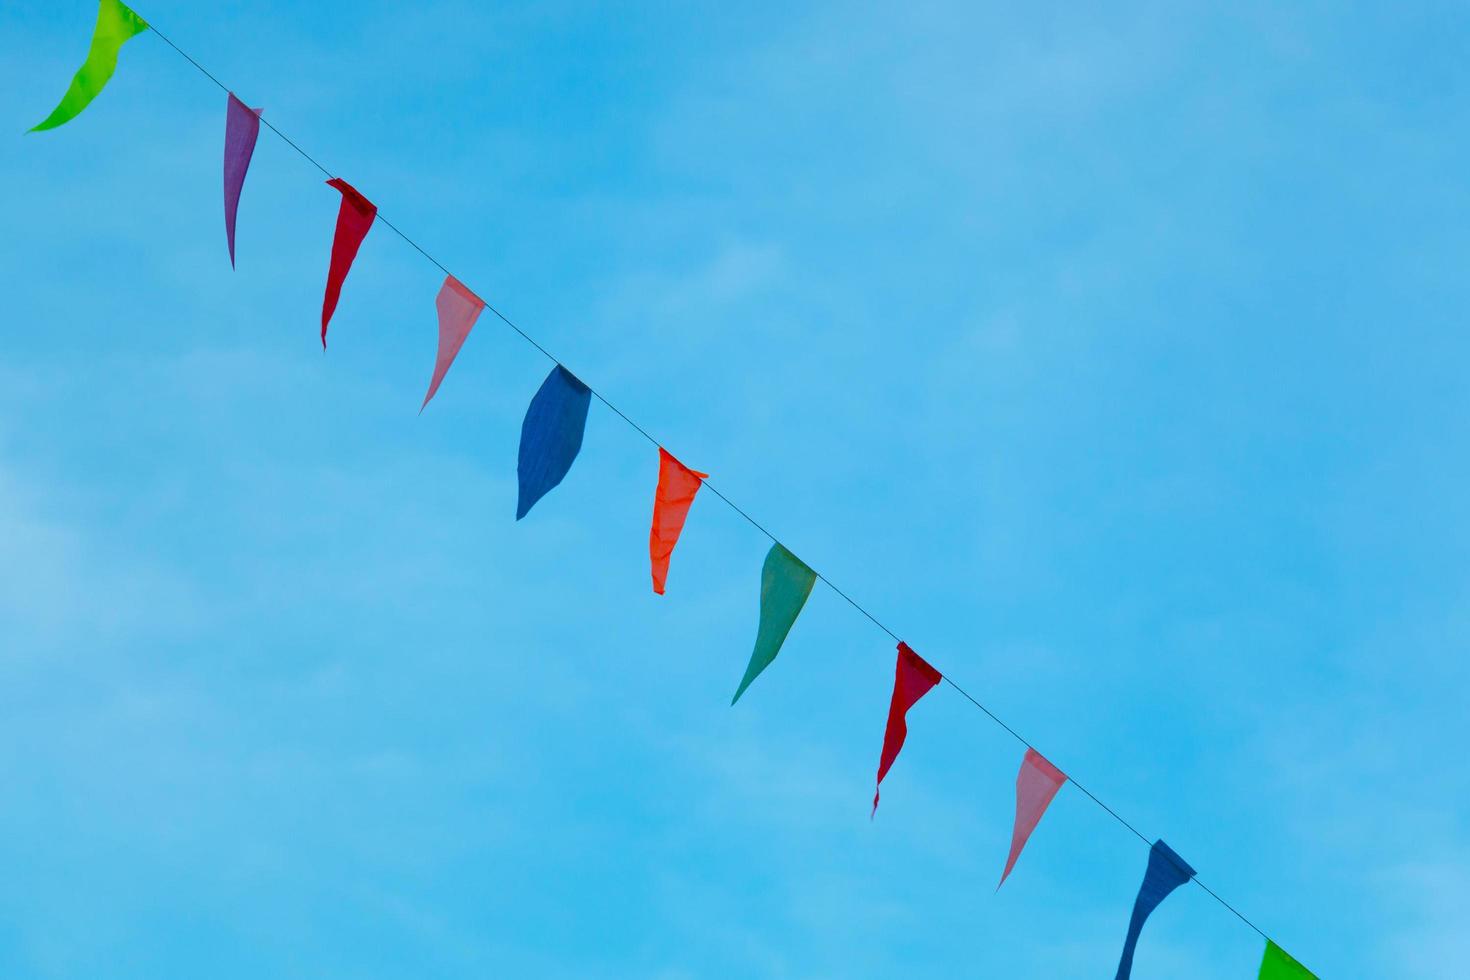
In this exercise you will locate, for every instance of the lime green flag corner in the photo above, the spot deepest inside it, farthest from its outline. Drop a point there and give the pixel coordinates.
(786, 582)
(1277, 964)
(115, 24)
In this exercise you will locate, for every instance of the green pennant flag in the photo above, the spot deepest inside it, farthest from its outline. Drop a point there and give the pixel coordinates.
(115, 24)
(1277, 964)
(786, 581)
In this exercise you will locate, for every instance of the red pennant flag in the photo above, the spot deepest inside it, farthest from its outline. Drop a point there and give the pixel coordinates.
(1036, 784)
(913, 678)
(354, 218)
(677, 485)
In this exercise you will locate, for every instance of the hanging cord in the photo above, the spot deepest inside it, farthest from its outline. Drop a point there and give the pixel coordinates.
(730, 503)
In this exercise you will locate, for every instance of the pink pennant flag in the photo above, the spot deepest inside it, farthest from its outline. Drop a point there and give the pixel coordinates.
(913, 678)
(1036, 784)
(458, 310)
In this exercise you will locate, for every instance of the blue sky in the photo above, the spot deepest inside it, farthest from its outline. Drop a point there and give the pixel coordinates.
(1114, 358)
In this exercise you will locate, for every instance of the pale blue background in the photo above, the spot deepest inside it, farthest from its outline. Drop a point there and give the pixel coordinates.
(1115, 358)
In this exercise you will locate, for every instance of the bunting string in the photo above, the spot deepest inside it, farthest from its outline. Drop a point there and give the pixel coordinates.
(550, 438)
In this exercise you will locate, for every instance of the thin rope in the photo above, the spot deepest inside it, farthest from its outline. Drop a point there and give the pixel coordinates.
(730, 503)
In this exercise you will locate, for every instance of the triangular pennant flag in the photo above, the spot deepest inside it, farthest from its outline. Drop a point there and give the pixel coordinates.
(913, 678)
(242, 126)
(677, 485)
(1166, 872)
(551, 436)
(115, 24)
(1036, 784)
(354, 218)
(1277, 964)
(458, 310)
(786, 582)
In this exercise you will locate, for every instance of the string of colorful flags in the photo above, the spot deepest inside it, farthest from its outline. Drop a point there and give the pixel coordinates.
(551, 437)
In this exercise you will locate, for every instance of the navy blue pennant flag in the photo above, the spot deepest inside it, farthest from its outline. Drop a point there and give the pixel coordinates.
(551, 436)
(1166, 872)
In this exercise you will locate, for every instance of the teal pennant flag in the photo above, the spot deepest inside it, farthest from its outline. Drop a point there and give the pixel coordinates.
(786, 581)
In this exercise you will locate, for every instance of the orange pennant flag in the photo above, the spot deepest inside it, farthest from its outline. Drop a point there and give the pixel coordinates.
(677, 485)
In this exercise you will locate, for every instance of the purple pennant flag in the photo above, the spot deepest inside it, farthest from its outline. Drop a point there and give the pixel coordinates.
(242, 126)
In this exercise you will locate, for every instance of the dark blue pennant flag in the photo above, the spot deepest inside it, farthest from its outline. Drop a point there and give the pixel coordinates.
(551, 436)
(1166, 872)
